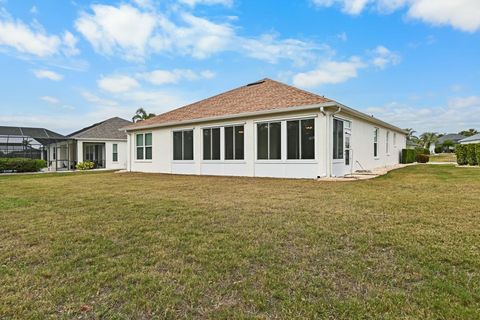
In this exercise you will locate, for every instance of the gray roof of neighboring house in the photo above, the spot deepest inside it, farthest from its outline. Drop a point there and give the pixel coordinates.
(475, 137)
(44, 136)
(108, 129)
(452, 137)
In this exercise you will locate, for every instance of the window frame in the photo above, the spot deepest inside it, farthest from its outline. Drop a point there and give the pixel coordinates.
(144, 147)
(376, 133)
(334, 156)
(211, 144)
(183, 160)
(234, 144)
(387, 143)
(114, 152)
(269, 160)
(300, 131)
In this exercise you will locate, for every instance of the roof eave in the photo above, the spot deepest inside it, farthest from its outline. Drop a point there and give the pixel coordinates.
(232, 116)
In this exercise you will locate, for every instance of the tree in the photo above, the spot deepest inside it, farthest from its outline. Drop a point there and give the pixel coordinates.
(468, 133)
(428, 138)
(141, 115)
(447, 145)
(410, 133)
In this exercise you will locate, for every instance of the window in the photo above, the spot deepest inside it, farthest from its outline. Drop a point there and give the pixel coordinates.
(211, 144)
(183, 145)
(115, 152)
(338, 144)
(301, 139)
(144, 146)
(375, 142)
(394, 139)
(54, 156)
(387, 144)
(269, 141)
(234, 143)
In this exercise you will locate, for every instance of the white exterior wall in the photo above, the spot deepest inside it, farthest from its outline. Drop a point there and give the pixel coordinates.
(362, 143)
(109, 163)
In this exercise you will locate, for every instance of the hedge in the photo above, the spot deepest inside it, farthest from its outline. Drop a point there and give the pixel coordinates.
(21, 165)
(422, 158)
(419, 150)
(478, 153)
(471, 154)
(408, 156)
(461, 153)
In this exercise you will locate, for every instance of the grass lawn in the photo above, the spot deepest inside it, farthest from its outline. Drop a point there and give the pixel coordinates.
(106, 245)
(443, 157)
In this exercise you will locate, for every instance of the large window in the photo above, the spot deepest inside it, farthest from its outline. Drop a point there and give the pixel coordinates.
(338, 143)
(375, 142)
(115, 152)
(394, 139)
(269, 141)
(234, 143)
(211, 144)
(144, 146)
(301, 139)
(183, 145)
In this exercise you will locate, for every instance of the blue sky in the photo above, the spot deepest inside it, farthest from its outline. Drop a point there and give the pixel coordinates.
(67, 64)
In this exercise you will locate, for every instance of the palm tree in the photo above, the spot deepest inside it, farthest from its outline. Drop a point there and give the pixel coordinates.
(428, 138)
(141, 115)
(469, 132)
(410, 133)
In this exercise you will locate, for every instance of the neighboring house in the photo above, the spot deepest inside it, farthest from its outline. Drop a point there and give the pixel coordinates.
(471, 140)
(263, 129)
(102, 143)
(454, 137)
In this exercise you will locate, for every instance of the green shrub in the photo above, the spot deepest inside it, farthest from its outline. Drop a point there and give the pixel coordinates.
(471, 154)
(422, 158)
(21, 165)
(439, 149)
(461, 152)
(477, 151)
(419, 150)
(87, 165)
(408, 156)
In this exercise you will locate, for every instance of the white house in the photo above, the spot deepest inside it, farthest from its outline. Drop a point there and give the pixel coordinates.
(263, 129)
(475, 139)
(102, 143)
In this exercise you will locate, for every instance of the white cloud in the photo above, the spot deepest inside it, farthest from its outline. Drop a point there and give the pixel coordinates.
(460, 14)
(455, 115)
(50, 100)
(47, 74)
(117, 83)
(193, 3)
(329, 72)
(96, 100)
(110, 29)
(17, 35)
(159, 77)
(70, 44)
(382, 57)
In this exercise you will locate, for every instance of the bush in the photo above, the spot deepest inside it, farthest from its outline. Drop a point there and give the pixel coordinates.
(21, 165)
(439, 149)
(471, 154)
(477, 151)
(422, 158)
(461, 152)
(408, 156)
(420, 150)
(87, 165)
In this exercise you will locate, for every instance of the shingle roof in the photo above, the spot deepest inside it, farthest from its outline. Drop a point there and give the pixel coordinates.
(108, 129)
(451, 136)
(471, 138)
(262, 95)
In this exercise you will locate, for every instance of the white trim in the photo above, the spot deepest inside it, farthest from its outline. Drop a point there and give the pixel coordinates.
(97, 139)
(228, 124)
(286, 118)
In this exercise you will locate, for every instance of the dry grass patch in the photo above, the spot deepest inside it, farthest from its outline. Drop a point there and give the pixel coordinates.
(405, 245)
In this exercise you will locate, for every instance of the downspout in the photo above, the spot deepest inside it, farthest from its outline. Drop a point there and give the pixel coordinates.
(329, 137)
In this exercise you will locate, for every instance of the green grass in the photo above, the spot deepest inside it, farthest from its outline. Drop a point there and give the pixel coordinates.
(443, 157)
(106, 245)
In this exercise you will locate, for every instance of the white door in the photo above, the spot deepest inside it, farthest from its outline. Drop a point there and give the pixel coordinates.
(342, 160)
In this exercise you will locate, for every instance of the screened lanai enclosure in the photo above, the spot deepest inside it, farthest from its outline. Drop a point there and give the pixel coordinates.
(37, 143)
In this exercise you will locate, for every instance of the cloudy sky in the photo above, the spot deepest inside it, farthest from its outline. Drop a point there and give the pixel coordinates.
(67, 64)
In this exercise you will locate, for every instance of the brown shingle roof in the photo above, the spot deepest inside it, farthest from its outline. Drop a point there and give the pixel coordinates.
(262, 95)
